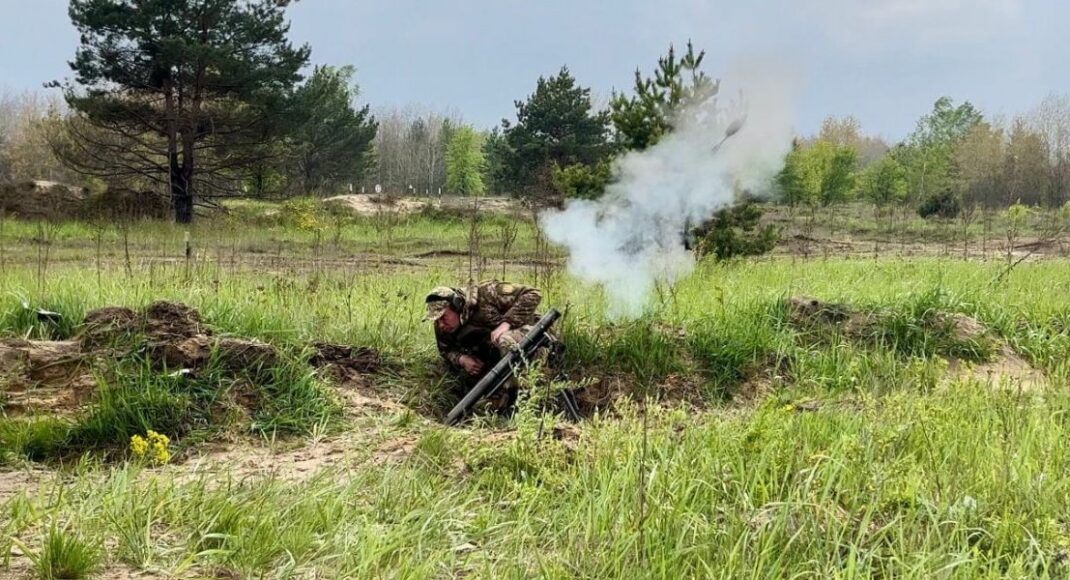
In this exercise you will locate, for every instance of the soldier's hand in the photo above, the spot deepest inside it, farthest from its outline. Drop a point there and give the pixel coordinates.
(497, 333)
(471, 364)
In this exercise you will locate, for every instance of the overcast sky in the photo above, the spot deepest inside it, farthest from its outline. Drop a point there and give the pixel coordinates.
(884, 61)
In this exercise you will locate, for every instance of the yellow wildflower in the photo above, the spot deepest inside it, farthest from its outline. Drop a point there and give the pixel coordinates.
(154, 446)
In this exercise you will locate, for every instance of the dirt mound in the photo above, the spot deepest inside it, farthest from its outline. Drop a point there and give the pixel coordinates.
(1008, 370)
(959, 326)
(963, 338)
(168, 321)
(128, 204)
(808, 310)
(102, 326)
(346, 363)
(43, 376)
(58, 375)
(43, 200)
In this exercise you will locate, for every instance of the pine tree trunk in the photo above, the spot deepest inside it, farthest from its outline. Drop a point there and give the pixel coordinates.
(182, 186)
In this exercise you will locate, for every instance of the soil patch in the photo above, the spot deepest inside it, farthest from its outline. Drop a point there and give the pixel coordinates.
(1008, 370)
(345, 362)
(44, 376)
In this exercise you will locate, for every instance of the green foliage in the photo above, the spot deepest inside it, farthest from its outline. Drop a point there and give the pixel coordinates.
(1017, 215)
(135, 397)
(925, 326)
(643, 118)
(331, 141)
(36, 439)
(555, 125)
(304, 213)
(865, 458)
(821, 174)
(494, 152)
(928, 152)
(583, 181)
(942, 205)
(65, 555)
(884, 182)
(734, 232)
(465, 163)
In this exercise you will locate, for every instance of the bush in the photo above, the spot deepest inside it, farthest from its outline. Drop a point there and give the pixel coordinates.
(582, 181)
(126, 205)
(942, 205)
(734, 231)
(304, 213)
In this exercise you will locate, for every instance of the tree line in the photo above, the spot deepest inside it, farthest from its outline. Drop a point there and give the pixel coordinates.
(198, 99)
(955, 161)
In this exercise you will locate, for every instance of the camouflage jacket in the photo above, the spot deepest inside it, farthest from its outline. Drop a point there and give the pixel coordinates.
(487, 306)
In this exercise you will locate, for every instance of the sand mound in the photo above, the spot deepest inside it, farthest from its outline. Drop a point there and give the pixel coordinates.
(368, 205)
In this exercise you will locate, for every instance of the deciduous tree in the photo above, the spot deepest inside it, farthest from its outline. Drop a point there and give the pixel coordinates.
(465, 163)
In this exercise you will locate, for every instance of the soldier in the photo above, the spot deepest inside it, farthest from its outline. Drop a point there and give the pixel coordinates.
(475, 328)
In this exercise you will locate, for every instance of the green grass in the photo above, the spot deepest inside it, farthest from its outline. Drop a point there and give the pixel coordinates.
(904, 486)
(66, 556)
(133, 397)
(867, 459)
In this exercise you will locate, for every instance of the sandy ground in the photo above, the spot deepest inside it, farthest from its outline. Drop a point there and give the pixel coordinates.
(376, 204)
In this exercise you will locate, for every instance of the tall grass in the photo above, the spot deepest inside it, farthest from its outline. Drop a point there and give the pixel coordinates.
(867, 460)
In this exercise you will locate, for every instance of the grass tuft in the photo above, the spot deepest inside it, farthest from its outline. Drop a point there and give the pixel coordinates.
(66, 555)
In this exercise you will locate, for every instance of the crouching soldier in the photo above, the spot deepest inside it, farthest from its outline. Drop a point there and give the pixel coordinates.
(475, 328)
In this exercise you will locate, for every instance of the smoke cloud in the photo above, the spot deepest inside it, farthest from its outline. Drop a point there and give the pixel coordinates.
(631, 238)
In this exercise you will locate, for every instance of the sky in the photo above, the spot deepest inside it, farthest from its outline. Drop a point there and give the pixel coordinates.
(883, 61)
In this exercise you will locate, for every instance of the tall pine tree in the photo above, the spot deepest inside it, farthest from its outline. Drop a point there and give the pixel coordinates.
(331, 139)
(646, 116)
(555, 127)
(183, 91)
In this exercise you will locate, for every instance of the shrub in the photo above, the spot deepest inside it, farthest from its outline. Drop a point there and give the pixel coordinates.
(734, 231)
(942, 205)
(582, 181)
(304, 213)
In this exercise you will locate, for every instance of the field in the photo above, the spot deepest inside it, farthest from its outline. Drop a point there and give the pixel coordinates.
(913, 422)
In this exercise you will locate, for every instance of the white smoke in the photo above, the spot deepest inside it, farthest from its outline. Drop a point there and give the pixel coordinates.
(631, 238)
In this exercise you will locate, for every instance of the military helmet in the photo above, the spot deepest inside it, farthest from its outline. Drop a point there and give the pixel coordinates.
(441, 297)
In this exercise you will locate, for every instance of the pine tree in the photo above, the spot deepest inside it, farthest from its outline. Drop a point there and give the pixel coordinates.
(645, 117)
(556, 127)
(182, 91)
(331, 140)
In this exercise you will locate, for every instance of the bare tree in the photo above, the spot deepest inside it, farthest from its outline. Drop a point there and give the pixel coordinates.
(410, 150)
(847, 132)
(1051, 120)
(25, 121)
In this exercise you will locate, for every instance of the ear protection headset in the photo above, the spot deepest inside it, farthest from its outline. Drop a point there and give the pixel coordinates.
(455, 299)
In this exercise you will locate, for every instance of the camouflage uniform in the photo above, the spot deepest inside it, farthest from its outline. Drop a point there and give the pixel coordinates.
(486, 306)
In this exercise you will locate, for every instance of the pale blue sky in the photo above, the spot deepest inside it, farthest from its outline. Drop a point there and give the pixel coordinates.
(883, 61)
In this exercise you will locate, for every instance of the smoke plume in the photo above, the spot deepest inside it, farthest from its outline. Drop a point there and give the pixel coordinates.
(632, 237)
